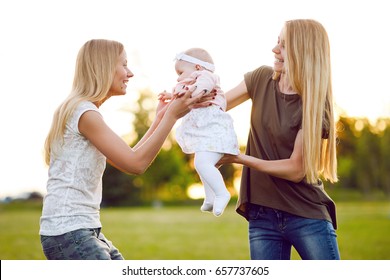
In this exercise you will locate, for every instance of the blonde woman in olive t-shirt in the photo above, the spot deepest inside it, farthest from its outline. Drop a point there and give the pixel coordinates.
(291, 145)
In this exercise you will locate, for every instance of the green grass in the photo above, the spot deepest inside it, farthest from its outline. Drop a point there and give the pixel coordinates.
(176, 233)
(181, 233)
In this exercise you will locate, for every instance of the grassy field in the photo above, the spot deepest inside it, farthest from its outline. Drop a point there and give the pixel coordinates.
(184, 233)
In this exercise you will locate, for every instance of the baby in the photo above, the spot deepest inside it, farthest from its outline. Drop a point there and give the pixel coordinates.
(207, 132)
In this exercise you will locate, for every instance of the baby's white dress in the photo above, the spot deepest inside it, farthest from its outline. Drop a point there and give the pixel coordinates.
(207, 129)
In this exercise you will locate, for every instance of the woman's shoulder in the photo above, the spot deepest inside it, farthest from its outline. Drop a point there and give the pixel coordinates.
(262, 70)
(87, 105)
(259, 75)
(80, 109)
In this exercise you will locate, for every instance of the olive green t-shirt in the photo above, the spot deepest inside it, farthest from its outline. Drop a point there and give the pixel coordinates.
(275, 121)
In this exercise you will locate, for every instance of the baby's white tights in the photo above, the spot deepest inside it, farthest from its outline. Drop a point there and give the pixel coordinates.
(216, 195)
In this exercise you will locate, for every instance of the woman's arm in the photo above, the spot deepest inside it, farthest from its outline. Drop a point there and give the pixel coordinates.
(161, 108)
(134, 160)
(236, 95)
(291, 169)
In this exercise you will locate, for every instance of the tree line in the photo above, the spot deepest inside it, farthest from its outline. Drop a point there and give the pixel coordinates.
(363, 163)
(363, 156)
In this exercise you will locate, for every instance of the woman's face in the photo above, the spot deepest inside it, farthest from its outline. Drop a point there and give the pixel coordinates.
(280, 53)
(122, 76)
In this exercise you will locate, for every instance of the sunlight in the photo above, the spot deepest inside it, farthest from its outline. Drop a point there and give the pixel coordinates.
(195, 191)
(381, 125)
(237, 183)
(359, 125)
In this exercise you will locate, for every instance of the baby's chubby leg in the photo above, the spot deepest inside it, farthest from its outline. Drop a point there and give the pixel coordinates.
(212, 178)
(209, 198)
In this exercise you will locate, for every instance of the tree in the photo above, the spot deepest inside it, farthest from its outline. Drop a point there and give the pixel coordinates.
(367, 160)
(346, 149)
(384, 143)
(119, 188)
(363, 152)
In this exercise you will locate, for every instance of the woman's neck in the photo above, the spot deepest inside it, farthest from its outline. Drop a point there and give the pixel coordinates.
(99, 103)
(285, 86)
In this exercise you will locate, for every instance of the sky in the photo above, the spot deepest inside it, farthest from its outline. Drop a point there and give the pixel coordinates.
(41, 38)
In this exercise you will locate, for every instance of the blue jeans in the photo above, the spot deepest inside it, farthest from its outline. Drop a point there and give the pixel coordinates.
(272, 233)
(81, 244)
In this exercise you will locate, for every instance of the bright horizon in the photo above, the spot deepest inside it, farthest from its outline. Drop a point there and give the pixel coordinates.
(42, 38)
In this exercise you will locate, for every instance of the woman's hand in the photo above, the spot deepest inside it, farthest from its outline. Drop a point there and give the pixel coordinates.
(204, 101)
(164, 99)
(165, 96)
(291, 168)
(179, 106)
(228, 159)
(162, 107)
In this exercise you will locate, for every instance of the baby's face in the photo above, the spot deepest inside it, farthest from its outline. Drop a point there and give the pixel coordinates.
(184, 69)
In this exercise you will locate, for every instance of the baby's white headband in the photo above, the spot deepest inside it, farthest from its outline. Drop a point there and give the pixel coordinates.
(191, 59)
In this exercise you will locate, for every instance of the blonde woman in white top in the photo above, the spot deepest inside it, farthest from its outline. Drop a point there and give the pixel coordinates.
(79, 143)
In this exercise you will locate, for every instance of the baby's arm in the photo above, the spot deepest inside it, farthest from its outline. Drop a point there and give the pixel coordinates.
(182, 87)
(205, 83)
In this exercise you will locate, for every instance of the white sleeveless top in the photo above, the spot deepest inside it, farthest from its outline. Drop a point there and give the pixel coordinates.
(74, 186)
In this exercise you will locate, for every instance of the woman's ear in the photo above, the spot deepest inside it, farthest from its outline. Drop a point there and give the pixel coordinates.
(198, 67)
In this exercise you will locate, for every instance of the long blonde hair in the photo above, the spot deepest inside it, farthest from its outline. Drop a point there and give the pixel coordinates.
(308, 69)
(94, 74)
